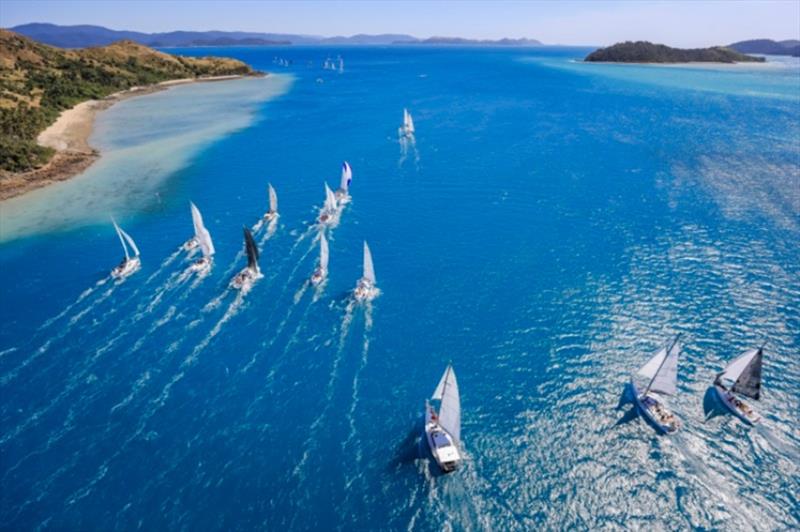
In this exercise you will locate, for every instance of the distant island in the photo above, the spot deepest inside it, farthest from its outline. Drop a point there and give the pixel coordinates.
(39, 82)
(86, 35)
(647, 52)
(768, 47)
(472, 42)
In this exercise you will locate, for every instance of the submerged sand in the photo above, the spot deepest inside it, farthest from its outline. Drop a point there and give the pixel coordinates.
(69, 136)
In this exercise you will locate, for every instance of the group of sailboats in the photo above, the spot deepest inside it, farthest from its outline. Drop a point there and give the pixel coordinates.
(741, 376)
(335, 201)
(334, 64)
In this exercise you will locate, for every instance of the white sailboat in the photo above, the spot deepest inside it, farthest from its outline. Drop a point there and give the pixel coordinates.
(321, 272)
(203, 239)
(343, 194)
(408, 125)
(365, 288)
(129, 264)
(327, 214)
(741, 376)
(341, 65)
(443, 428)
(251, 273)
(662, 372)
(272, 213)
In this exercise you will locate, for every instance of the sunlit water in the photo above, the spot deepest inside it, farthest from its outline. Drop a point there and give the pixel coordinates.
(550, 227)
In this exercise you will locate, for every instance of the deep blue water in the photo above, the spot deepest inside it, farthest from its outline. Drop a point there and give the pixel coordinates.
(553, 225)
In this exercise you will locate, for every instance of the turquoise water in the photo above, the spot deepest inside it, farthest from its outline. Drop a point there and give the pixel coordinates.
(553, 224)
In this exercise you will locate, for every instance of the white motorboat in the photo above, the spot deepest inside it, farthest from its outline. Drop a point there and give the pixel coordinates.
(203, 239)
(366, 290)
(443, 428)
(321, 272)
(245, 279)
(129, 264)
(662, 372)
(741, 376)
(329, 212)
(343, 193)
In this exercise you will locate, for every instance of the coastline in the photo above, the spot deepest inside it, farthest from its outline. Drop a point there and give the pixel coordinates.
(69, 136)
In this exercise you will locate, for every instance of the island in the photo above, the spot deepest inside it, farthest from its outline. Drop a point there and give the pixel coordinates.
(49, 96)
(647, 52)
(768, 47)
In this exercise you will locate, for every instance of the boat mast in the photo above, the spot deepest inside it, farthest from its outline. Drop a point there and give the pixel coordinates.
(675, 341)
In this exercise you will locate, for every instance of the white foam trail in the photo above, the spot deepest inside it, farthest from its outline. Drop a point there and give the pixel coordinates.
(166, 262)
(86, 293)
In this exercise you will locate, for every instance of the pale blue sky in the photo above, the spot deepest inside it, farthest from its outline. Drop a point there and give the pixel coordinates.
(600, 22)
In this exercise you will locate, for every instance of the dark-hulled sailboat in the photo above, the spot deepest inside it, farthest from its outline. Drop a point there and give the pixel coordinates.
(245, 279)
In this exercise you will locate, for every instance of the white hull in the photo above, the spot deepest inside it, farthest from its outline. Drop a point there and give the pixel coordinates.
(245, 279)
(655, 412)
(319, 276)
(365, 291)
(342, 197)
(191, 244)
(737, 407)
(201, 266)
(126, 268)
(440, 442)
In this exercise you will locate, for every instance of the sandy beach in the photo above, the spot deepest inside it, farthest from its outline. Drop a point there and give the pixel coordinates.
(69, 136)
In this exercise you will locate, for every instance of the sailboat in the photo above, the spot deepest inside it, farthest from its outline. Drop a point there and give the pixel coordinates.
(443, 428)
(272, 213)
(343, 194)
(321, 273)
(662, 370)
(129, 264)
(365, 288)
(741, 376)
(408, 125)
(244, 279)
(328, 213)
(341, 65)
(203, 239)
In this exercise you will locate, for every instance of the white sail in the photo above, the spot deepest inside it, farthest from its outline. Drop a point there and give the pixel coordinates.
(201, 233)
(408, 122)
(662, 370)
(341, 65)
(330, 199)
(273, 199)
(450, 408)
(347, 176)
(369, 269)
(121, 240)
(131, 243)
(745, 373)
(323, 252)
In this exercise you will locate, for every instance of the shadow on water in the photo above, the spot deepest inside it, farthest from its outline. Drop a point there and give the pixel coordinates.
(413, 448)
(626, 399)
(711, 405)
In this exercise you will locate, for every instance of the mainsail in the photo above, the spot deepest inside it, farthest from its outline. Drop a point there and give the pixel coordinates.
(201, 233)
(273, 199)
(323, 252)
(408, 122)
(745, 373)
(369, 269)
(121, 239)
(450, 408)
(252, 250)
(347, 176)
(330, 199)
(662, 370)
(130, 242)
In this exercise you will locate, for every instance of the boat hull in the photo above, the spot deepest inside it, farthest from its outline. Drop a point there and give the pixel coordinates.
(650, 408)
(365, 291)
(730, 402)
(245, 279)
(126, 268)
(443, 449)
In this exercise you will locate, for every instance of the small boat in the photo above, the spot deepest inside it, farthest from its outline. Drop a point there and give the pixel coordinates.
(365, 288)
(251, 273)
(741, 376)
(343, 194)
(443, 428)
(408, 125)
(272, 213)
(129, 264)
(341, 65)
(329, 209)
(321, 273)
(662, 370)
(203, 239)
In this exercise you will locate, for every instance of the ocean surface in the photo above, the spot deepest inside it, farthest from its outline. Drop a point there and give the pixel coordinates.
(551, 226)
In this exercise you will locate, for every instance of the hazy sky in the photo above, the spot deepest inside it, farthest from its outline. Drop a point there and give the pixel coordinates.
(600, 22)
